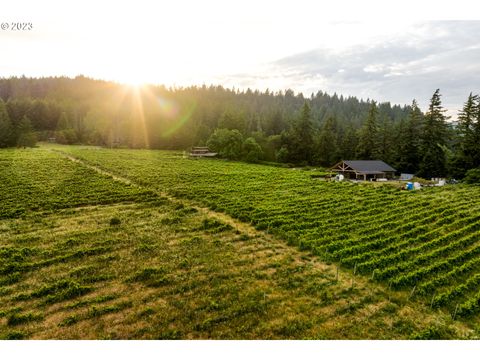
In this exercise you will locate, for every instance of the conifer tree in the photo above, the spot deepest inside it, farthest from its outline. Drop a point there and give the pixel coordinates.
(26, 136)
(6, 127)
(63, 122)
(385, 139)
(348, 143)
(408, 157)
(433, 141)
(327, 145)
(367, 148)
(476, 137)
(466, 128)
(299, 141)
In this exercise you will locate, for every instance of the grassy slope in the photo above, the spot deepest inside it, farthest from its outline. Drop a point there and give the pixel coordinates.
(412, 240)
(171, 271)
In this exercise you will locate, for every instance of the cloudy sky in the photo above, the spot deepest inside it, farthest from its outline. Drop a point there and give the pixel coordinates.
(362, 48)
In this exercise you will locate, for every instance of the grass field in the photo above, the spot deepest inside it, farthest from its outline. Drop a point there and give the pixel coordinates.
(427, 242)
(177, 248)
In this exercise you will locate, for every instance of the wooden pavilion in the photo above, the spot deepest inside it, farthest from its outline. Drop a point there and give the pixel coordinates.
(363, 169)
(201, 151)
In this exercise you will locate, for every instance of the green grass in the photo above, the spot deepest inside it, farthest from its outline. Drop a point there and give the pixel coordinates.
(406, 240)
(140, 266)
(39, 180)
(187, 283)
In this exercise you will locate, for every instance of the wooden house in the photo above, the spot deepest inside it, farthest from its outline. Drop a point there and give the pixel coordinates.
(364, 169)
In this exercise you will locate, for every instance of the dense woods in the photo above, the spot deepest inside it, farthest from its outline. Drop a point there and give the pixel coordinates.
(245, 125)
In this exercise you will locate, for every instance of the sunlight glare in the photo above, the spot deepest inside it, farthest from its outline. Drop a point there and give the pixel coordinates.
(140, 113)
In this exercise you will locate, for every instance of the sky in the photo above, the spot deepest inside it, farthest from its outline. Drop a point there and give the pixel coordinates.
(386, 51)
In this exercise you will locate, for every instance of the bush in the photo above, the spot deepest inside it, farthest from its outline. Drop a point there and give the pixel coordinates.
(228, 143)
(17, 319)
(282, 155)
(434, 332)
(14, 335)
(253, 152)
(472, 176)
(422, 181)
(115, 221)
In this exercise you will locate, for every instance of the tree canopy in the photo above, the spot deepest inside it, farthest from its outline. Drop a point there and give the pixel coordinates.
(248, 125)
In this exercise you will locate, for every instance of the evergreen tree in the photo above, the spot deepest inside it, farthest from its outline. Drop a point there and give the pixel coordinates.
(63, 122)
(368, 148)
(326, 153)
(476, 137)
(299, 141)
(233, 121)
(467, 146)
(26, 136)
(348, 143)
(275, 123)
(408, 145)
(6, 127)
(385, 139)
(304, 131)
(433, 141)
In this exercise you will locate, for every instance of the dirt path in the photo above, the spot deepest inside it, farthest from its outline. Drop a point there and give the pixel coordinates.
(241, 226)
(345, 276)
(245, 228)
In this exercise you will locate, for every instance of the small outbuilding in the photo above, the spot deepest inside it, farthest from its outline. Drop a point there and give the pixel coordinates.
(406, 177)
(201, 151)
(364, 169)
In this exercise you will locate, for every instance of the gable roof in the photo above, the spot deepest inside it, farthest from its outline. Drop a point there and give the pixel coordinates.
(369, 166)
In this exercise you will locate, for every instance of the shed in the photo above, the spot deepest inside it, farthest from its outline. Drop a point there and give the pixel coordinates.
(364, 169)
(201, 151)
(405, 176)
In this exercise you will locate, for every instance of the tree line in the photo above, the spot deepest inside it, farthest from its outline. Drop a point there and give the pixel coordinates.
(245, 125)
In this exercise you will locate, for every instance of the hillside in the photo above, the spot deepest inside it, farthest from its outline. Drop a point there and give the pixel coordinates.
(100, 243)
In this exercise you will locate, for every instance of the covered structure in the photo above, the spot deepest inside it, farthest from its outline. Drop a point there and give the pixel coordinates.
(201, 151)
(405, 176)
(363, 169)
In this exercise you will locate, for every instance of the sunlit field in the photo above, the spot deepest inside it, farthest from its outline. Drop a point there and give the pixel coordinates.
(426, 242)
(137, 244)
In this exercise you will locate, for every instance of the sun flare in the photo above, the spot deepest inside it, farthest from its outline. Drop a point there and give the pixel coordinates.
(134, 82)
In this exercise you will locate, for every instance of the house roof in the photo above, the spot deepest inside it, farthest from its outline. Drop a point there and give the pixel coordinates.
(369, 166)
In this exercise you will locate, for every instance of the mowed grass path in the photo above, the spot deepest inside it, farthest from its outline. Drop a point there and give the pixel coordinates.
(117, 261)
(426, 242)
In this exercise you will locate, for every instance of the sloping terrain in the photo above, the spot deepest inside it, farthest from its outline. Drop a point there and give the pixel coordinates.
(120, 260)
(426, 242)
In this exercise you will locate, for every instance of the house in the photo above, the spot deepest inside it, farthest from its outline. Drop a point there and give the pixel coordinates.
(364, 169)
(201, 152)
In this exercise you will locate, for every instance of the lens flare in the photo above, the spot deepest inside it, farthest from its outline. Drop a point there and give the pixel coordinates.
(172, 110)
(140, 113)
(168, 107)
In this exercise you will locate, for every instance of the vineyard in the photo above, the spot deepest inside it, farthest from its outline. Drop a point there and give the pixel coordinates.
(135, 244)
(41, 181)
(425, 242)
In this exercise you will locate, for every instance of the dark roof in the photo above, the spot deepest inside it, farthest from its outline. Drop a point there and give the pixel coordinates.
(369, 166)
(201, 151)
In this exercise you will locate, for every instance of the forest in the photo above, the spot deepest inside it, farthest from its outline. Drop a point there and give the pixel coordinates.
(250, 125)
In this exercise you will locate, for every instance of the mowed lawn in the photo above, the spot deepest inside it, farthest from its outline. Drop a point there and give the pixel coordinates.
(83, 256)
